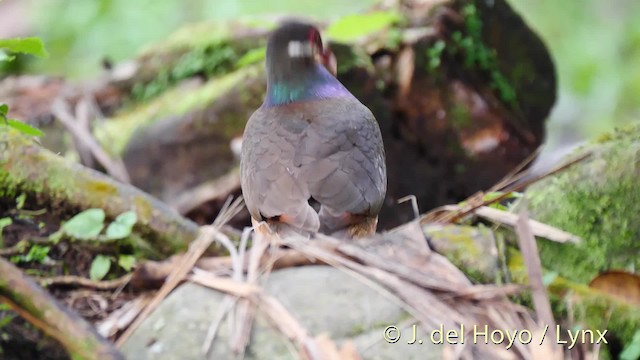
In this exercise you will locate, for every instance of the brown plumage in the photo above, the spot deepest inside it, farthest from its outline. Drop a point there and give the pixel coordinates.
(311, 145)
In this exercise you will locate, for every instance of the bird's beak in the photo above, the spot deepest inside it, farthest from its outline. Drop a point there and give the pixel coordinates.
(328, 60)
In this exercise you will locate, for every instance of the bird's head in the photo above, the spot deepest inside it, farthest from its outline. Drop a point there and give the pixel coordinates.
(296, 46)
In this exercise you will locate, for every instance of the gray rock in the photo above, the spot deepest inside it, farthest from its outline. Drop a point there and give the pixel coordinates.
(322, 298)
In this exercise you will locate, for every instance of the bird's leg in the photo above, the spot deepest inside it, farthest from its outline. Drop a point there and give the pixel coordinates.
(261, 227)
(363, 228)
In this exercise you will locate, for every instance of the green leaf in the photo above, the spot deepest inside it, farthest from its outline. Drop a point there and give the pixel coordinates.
(6, 319)
(121, 227)
(351, 28)
(37, 253)
(56, 236)
(4, 222)
(20, 201)
(24, 128)
(86, 225)
(99, 267)
(4, 109)
(30, 45)
(126, 262)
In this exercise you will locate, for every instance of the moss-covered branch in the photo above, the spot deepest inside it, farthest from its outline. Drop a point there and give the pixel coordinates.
(40, 309)
(61, 185)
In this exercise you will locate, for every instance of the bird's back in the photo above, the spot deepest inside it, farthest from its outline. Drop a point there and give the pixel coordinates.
(327, 150)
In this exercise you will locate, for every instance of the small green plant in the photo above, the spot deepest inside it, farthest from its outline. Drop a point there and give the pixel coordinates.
(4, 222)
(99, 267)
(475, 54)
(88, 225)
(37, 253)
(8, 49)
(126, 262)
(20, 200)
(30, 46)
(434, 55)
(17, 124)
(6, 317)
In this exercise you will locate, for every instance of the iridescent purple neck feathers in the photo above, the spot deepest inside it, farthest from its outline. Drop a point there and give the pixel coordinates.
(310, 85)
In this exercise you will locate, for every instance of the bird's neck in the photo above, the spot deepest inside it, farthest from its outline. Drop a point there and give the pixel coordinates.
(311, 84)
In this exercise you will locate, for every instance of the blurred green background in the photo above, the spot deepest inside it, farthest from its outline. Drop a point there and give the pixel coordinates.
(596, 48)
(80, 34)
(595, 43)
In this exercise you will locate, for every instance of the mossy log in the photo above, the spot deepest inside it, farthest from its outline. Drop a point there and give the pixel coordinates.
(65, 187)
(79, 338)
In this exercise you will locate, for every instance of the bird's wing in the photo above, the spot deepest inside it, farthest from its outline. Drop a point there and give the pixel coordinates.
(343, 162)
(270, 183)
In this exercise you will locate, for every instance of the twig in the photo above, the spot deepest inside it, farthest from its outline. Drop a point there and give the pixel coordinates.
(245, 310)
(122, 317)
(537, 228)
(529, 250)
(38, 307)
(223, 284)
(516, 173)
(114, 167)
(228, 302)
(212, 190)
(476, 200)
(79, 281)
(414, 204)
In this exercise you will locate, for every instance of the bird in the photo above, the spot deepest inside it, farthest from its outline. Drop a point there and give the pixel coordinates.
(312, 156)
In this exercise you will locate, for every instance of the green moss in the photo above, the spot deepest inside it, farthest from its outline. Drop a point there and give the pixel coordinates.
(469, 248)
(599, 201)
(581, 306)
(208, 62)
(144, 209)
(467, 44)
(102, 188)
(116, 133)
(205, 50)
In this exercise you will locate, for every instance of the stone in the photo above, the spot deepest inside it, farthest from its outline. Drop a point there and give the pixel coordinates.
(323, 299)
